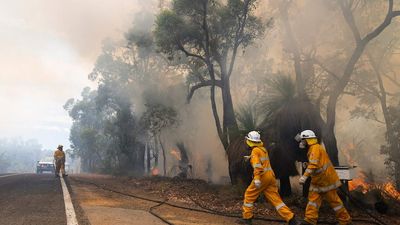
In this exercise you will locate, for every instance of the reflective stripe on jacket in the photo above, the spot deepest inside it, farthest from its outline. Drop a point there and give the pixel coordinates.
(260, 162)
(323, 175)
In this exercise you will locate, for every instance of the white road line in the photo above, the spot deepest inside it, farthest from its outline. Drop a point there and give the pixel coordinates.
(69, 208)
(8, 175)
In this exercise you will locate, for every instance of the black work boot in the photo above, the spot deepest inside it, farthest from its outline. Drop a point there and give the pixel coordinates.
(244, 221)
(293, 221)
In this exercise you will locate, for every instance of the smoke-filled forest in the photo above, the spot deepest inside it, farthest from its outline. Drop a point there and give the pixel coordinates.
(177, 94)
(200, 112)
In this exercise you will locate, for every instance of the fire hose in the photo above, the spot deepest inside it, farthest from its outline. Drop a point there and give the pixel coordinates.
(215, 212)
(278, 220)
(158, 216)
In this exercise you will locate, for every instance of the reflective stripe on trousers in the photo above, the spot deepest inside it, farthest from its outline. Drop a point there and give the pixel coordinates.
(248, 205)
(313, 204)
(280, 206)
(337, 208)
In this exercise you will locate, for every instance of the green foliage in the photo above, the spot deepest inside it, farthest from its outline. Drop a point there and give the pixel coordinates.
(182, 26)
(209, 33)
(87, 135)
(106, 132)
(158, 117)
(248, 117)
(281, 92)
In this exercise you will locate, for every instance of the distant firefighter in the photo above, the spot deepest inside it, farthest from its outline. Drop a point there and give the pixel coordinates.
(263, 182)
(324, 180)
(59, 158)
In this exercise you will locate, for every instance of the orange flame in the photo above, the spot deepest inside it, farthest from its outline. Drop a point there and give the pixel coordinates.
(390, 189)
(359, 183)
(176, 154)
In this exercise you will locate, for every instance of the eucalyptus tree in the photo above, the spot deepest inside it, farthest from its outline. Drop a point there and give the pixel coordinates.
(88, 140)
(378, 94)
(210, 34)
(156, 119)
(336, 78)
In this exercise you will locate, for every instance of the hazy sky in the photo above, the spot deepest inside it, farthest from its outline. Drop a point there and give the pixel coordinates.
(47, 49)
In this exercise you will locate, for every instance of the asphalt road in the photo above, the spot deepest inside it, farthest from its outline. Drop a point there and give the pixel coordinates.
(31, 199)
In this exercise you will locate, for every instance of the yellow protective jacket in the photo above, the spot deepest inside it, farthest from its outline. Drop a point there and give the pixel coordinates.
(59, 155)
(323, 175)
(260, 162)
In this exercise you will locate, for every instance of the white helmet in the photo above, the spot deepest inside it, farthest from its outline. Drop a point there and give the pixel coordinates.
(253, 136)
(307, 134)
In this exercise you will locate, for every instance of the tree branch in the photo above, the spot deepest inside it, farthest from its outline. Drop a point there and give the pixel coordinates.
(370, 91)
(391, 79)
(187, 53)
(198, 75)
(206, 83)
(238, 35)
(388, 19)
(348, 16)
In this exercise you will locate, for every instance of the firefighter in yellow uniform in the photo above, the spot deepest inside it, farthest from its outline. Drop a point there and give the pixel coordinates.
(59, 158)
(263, 182)
(324, 180)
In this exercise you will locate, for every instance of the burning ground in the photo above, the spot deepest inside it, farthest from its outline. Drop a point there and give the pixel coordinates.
(226, 199)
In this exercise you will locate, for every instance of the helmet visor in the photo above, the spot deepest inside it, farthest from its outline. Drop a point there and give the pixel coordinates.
(297, 138)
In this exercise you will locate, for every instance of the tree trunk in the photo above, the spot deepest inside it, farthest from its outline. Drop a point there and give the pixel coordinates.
(285, 188)
(331, 145)
(230, 125)
(216, 117)
(148, 158)
(164, 156)
(140, 159)
(306, 185)
(293, 46)
(330, 138)
(155, 153)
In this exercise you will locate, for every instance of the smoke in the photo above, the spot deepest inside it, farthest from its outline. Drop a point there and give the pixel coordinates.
(318, 28)
(82, 24)
(198, 132)
(321, 32)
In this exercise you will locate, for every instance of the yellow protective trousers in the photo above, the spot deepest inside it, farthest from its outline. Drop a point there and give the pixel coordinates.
(315, 201)
(270, 190)
(60, 166)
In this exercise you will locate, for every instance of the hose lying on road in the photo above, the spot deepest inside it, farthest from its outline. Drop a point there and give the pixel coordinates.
(277, 220)
(215, 212)
(158, 216)
(208, 211)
